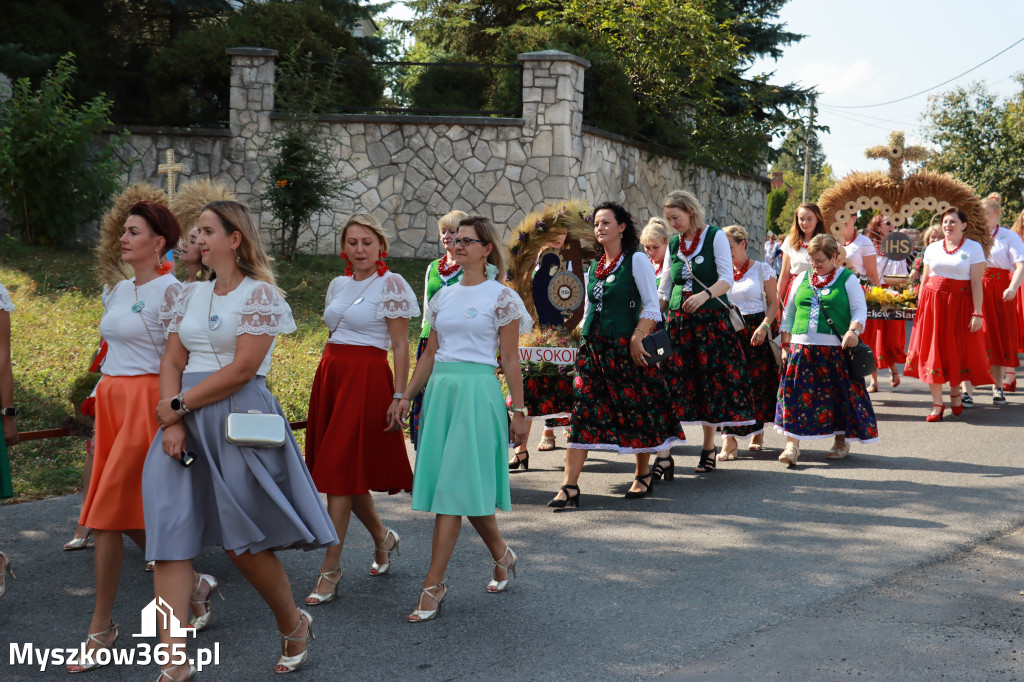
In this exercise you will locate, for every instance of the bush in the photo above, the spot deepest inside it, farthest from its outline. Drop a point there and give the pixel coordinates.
(776, 201)
(53, 176)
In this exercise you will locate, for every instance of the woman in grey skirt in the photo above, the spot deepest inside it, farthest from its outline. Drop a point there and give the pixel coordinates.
(250, 501)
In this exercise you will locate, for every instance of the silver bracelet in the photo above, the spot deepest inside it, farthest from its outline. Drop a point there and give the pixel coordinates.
(398, 396)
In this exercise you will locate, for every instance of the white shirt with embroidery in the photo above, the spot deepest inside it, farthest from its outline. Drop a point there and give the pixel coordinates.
(136, 340)
(746, 292)
(357, 313)
(467, 320)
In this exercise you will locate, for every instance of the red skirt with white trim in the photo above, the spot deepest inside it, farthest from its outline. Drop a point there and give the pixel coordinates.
(888, 340)
(1002, 336)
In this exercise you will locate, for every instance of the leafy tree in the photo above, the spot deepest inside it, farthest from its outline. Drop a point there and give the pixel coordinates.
(791, 153)
(819, 183)
(53, 176)
(776, 201)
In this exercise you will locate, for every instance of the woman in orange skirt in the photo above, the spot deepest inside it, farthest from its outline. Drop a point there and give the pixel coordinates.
(945, 345)
(1002, 282)
(350, 450)
(887, 338)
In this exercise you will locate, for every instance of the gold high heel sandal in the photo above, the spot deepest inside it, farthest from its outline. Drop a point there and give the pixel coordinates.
(3, 574)
(200, 622)
(94, 637)
(166, 672)
(316, 598)
(496, 586)
(289, 664)
(381, 569)
(422, 615)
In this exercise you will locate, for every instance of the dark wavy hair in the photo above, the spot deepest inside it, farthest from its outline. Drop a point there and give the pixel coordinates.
(160, 220)
(630, 238)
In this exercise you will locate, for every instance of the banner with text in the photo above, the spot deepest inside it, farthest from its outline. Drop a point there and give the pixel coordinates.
(558, 356)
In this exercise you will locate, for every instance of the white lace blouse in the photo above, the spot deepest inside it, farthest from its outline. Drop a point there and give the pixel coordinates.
(746, 293)
(467, 320)
(357, 313)
(134, 324)
(253, 307)
(6, 303)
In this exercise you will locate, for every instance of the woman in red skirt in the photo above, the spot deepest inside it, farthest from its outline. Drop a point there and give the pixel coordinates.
(1010, 379)
(887, 338)
(945, 346)
(349, 448)
(1001, 284)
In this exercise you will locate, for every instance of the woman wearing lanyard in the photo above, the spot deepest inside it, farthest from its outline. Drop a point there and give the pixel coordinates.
(1003, 274)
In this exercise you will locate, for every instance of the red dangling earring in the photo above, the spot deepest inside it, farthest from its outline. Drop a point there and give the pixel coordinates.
(382, 267)
(348, 265)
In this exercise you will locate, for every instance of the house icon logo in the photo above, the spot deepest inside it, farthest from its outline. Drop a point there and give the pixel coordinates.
(158, 608)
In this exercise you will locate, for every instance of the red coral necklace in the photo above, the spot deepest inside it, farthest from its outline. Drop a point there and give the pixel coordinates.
(446, 270)
(962, 240)
(820, 282)
(688, 250)
(737, 275)
(604, 268)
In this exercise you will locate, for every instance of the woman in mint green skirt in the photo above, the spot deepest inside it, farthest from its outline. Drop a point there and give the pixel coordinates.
(461, 457)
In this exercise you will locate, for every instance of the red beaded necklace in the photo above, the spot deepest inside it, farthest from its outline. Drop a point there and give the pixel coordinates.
(962, 240)
(657, 267)
(604, 268)
(446, 270)
(804, 245)
(852, 240)
(737, 275)
(688, 250)
(820, 282)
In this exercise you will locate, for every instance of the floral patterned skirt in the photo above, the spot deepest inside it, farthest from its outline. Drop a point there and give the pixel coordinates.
(617, 405)
(707, 374)
(819, 399)
(764, 378)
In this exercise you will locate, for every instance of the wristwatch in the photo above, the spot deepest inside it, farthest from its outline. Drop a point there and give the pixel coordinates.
(178, 404)
(397, 396)
(8, 412)
(521, 410)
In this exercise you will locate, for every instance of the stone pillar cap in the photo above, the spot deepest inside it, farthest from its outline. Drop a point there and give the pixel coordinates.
(553, 56)
(251, 52)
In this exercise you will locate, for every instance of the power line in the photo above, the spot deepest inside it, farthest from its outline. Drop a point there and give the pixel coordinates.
(829, 109)
(901, 99)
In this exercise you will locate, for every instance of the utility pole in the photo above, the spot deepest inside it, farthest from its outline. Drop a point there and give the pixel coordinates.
(807, 152)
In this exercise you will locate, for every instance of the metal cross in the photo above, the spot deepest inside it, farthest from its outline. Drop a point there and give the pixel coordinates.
(171, 169)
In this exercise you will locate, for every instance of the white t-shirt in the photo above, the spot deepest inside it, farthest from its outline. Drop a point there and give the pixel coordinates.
(358, 312)
(466, 320)
(799, 259)
(136, 340)
(253, 307)
(956, 265)
(858, 311)
(5, 300)
(746, 293)
(646, 284)
(857, 250)
(723, 264)
(1007, 251)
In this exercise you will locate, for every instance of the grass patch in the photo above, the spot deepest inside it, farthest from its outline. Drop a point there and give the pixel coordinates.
(56, 327)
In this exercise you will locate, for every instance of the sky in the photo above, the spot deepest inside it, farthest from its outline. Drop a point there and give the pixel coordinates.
(866, 52)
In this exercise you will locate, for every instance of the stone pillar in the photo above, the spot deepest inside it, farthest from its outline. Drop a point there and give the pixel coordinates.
(252, 101)
(553, 118)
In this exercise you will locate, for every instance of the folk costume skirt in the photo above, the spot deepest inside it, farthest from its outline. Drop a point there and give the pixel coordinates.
(708, 374)
(1002, 337)
(819, 399)
(240, 498)
(888, 340)
(416, 406)
(125, 426)
(617, 405)
(764, 378)
(462, 456)
(1020, 319)
(348, 452)
(942, 349)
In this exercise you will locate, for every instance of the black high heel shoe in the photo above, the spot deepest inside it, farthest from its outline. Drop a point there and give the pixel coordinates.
(707, 461)
(571, 500)
(648, 487)
(519, 459)
(666, 473)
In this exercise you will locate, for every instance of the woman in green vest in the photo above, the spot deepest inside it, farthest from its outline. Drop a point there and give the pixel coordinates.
(441, 273)
(708, 373)
(817, 396)
(620, 403)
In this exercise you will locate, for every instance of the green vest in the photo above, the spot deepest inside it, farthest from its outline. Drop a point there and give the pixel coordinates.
(836, 303)
(434, 284)
(705, 270)
(621, 303)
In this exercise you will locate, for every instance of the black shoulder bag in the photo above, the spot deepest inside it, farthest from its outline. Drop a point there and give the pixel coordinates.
(860, 360)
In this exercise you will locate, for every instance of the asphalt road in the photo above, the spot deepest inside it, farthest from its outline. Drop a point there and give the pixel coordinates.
(902, 561)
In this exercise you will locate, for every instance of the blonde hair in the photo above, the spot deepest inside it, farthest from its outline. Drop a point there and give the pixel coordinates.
(656, 231)
(487, 233)
(932, 233)
(250, 257)
(993, 202)
(1018, 225)
(367, 221)
(823, 243)
(686, 201)
(450, 220)
(737, 233)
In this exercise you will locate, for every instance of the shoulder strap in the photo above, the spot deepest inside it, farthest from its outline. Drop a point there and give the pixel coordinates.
(821, 307)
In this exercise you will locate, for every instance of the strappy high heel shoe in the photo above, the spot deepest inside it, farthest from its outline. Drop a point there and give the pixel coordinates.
(3, 574)
(315, 598)
(1010, 381)
(648, 487)
(660, 472)
(423, 615)
(76, 543)
(726, 455)
(200, 622)
(289, 664)
(958, 409)
(936, 417)
(166, 673)
(707, 461)
(520, 459)
(894, 379)
(496, 586)
(92, 664)
(381, 569)
(571, 500)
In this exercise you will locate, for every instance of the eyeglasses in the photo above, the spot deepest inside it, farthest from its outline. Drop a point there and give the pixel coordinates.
(466, 241)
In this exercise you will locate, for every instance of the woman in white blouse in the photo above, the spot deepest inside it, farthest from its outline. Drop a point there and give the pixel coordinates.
(1003, 275)
(461, 456)
(945, 344)
(818, 398)
(349, 448)
(807, 222)
(887, 338)
(754, 292)
(135, 312)
(861, 255)
(249, 500)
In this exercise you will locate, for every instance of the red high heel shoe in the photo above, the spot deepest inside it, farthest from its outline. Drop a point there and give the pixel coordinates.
(956, 409)
(1010, 387)
(936, 417)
